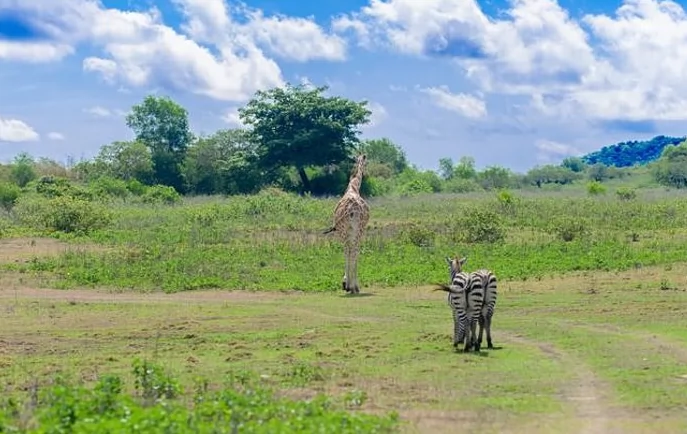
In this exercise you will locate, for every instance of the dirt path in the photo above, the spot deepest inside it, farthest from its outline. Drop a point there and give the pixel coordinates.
(588, 395)
(101, 296)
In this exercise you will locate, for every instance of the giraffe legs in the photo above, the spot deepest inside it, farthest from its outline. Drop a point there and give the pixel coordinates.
(347, 269)
(353, 267)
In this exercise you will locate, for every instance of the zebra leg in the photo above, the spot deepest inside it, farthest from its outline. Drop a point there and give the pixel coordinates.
(481, 328)
(473, 332)
(469, 337)
(489, 344)
(456, 330)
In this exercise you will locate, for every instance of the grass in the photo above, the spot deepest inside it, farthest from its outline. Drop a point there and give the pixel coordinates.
(589, 326)
(559, 342)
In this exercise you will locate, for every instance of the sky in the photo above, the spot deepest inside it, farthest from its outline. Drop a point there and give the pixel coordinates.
(513, 83)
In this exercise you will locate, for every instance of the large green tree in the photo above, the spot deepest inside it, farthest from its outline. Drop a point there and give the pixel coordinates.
(162, 125)
(224, 162)
(298, 126)
(384, 151)
(671, 169)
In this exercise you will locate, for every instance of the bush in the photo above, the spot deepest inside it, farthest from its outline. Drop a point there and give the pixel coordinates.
(480, 225)
(568, 228)
(161, 194)
(595, 188)
(418, 234)
(9, 193)
(62, 214)
(106, 187)
(626, 194)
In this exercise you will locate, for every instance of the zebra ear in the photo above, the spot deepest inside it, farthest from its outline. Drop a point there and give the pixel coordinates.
(448, 260)
(462, 261)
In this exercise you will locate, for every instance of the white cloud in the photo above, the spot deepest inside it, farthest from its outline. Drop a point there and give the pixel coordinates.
(231, 117)
(295, 38)
(549, 150)
(55, 136)
(379, 114)
(218, 56)
(635, 71)
(99, 111)
(14, 130)
(461, 103)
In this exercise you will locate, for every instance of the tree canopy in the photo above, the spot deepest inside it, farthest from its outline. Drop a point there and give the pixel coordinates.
(300, 127)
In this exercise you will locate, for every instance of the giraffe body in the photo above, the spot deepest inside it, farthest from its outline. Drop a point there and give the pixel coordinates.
(350, 220)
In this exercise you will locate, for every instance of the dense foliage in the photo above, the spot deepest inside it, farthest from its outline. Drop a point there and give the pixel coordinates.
(631, 153)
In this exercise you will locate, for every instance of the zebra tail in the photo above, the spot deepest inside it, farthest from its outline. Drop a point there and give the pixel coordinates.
(444, 287)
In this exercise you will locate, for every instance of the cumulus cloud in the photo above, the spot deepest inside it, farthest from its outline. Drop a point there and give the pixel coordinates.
(55, 136)
(630, 66)
(461, 103)
(16, 131)
(231, 117)
(218, 51)
(379, 114)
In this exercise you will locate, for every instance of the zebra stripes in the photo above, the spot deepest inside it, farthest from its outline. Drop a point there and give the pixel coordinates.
(489, 284)
(472, 297)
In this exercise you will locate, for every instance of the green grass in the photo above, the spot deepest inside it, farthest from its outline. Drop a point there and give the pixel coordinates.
(387, 352)
(269, 241)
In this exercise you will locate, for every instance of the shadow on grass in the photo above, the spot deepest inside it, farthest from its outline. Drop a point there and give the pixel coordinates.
(360, 294)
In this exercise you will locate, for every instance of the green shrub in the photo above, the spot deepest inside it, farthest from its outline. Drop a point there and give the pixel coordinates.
(61, 214)
(106, 187)
(418, 235)
(480, 225)
(595, 188)
(568, 228)
(9, 193)
(626, 193)
(161, 194)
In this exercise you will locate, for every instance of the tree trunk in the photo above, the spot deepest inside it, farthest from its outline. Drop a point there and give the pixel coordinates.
(304, 179)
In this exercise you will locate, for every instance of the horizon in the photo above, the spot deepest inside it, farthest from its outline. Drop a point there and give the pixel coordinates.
(510, 84)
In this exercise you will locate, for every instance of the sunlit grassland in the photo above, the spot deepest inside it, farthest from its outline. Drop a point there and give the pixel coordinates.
(622, 333)
(274, 241)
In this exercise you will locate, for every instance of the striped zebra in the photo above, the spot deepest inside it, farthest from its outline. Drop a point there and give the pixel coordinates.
(489, 284)
(465, 298)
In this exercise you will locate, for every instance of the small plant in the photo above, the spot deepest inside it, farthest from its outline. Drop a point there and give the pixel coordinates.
(418, 235)
(569, 228)
(595, 188)
(153, 383)
(626, 194)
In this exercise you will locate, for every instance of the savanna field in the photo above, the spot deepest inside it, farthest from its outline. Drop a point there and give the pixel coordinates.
(226, 315)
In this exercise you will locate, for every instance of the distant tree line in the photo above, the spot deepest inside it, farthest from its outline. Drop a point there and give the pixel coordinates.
(298, 139)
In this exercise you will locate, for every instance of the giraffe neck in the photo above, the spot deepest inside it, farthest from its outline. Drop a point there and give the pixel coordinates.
(356, 179)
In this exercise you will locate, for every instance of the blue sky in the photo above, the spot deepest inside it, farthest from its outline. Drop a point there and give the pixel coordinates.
(515, 83)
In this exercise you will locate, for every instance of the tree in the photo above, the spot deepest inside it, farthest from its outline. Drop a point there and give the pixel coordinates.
(162, 125)
(384, 151)
(576, 164)
(551, 174)
(494, 177)
(23, 170)
(224, 162)
(298, 126)
(465, 169)
(446, 169)
(126, 160)
(671, 167)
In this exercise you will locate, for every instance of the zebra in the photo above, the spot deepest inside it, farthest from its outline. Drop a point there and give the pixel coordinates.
(489, 285)
(465, 298)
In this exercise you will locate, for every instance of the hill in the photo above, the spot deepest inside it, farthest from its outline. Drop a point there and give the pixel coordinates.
(626, 154)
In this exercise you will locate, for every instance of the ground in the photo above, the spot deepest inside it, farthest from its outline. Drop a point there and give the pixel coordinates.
(599, 352)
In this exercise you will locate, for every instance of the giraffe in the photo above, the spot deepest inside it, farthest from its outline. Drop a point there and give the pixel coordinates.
(350, 219)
